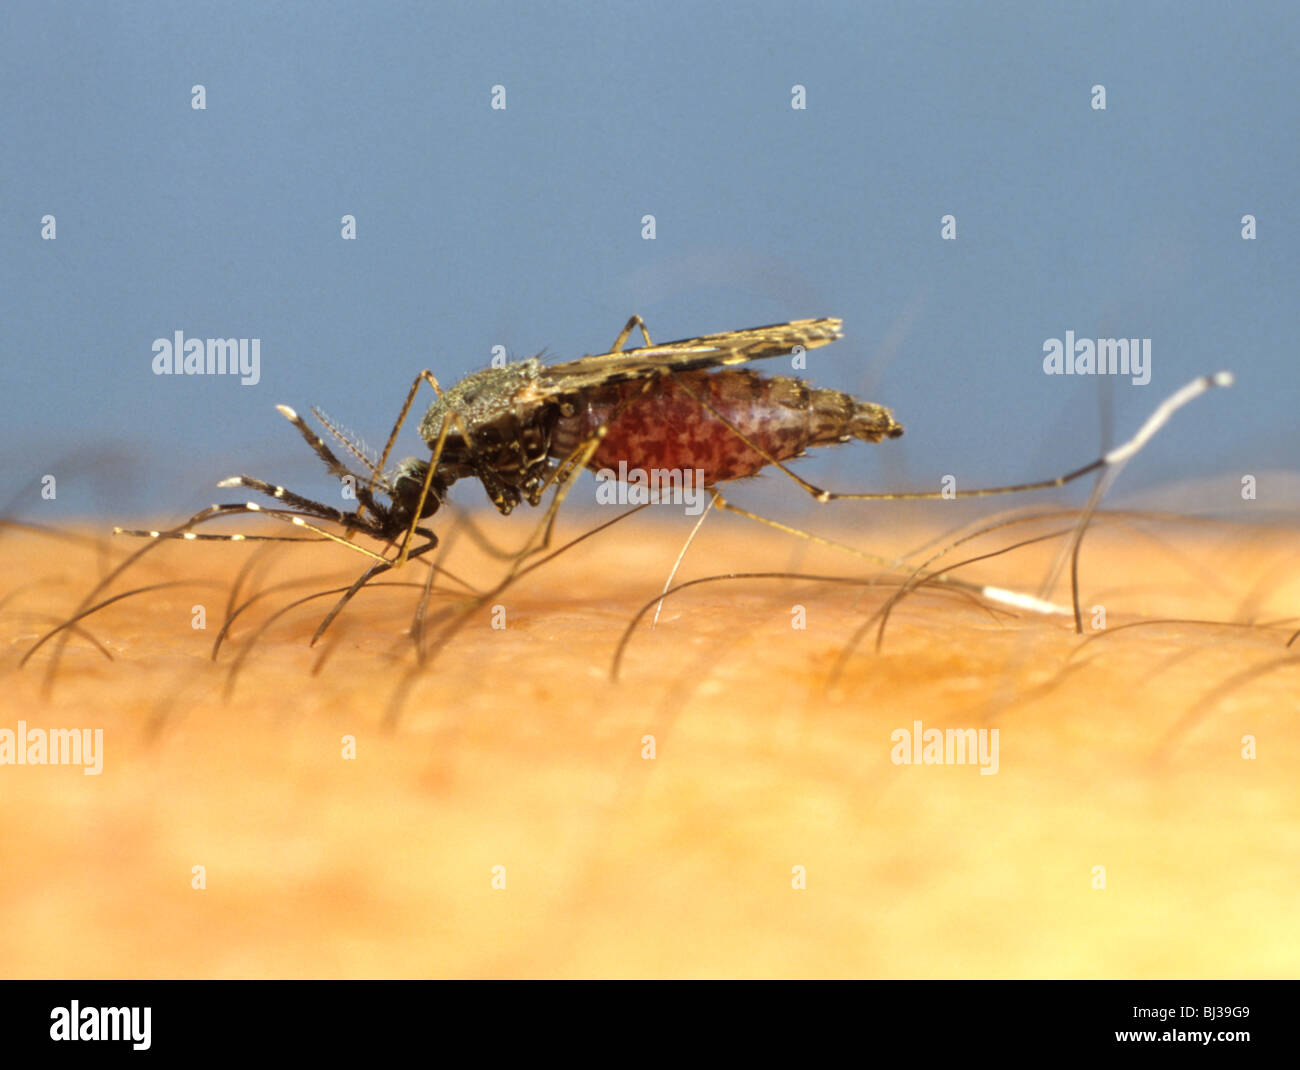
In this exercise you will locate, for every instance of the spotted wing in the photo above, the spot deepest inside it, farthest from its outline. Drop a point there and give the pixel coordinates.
(689, 354)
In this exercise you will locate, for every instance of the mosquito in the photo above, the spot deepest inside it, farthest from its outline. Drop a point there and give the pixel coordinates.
(525, 427)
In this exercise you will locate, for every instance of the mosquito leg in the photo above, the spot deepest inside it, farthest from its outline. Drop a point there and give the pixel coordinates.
(572, 467)
(1108, 466)
(299, 522)
(630, 629)
(1115, 458)
(634, 322)
(242, 655)
(198, 536)
(424, 491)
(996, 594)
(564, 475)
(425, 376)
(364, 579)
(300, 505)
(348, 593)
(680, 556)
(181, 531)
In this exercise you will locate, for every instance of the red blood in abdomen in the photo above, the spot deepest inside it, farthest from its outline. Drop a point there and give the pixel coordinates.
(663, 426)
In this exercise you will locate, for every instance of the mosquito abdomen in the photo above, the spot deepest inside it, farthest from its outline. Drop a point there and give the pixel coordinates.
(681, 422)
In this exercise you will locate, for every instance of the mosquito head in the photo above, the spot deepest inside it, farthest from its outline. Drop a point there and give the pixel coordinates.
(406, 486)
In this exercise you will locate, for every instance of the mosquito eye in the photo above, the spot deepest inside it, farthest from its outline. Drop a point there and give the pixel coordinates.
(489, 436)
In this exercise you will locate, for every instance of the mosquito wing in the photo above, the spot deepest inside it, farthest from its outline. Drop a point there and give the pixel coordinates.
(689, 354)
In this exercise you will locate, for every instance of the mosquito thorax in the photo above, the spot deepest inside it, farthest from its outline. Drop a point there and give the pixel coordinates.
(481, 399)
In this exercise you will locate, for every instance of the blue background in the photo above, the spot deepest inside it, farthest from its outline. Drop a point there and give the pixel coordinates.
(523, 227)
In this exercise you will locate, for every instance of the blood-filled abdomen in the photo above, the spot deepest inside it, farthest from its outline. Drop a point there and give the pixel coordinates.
(681, 422)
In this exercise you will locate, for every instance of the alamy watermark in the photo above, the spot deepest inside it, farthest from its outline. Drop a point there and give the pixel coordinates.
(56, 746)
(75, 1022)
(952, 746)
(1099, 356)
(660, 486)
(179, 355)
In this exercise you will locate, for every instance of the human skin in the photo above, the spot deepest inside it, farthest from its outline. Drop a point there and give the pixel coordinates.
(512, 747)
